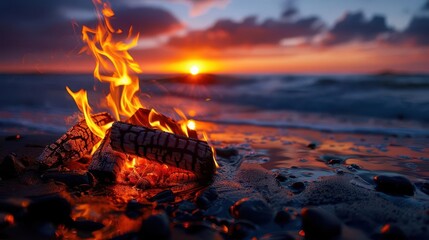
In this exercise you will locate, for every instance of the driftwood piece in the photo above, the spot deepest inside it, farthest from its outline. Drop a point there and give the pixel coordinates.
(106, 164)
(167, 148)
(74, 144)
(141, 118)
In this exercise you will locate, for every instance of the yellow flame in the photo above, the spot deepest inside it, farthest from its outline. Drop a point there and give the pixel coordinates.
(206, 138)
(191, 124)
(131, 164)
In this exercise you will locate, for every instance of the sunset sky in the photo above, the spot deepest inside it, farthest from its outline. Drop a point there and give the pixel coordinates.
(225, 36)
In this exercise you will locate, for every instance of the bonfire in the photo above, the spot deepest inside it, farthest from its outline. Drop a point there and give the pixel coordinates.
(133, 145)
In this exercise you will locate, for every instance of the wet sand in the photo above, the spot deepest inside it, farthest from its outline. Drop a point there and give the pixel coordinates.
(294, 179)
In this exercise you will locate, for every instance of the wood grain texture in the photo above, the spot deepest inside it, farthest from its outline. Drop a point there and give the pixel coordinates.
(74, 144)
(166, 148)
(106, 164)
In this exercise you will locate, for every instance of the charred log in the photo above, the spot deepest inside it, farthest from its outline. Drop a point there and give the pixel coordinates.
(106, 164)
(74, 144)
(166, 148)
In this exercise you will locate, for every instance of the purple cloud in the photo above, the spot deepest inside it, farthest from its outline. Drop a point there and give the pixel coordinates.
(226, 33)
(354, 26)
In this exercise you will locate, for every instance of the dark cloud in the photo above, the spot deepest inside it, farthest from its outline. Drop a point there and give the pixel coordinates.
(417, 31)
(249, 32)
(148, 21)
(46, 26)
(354, 26)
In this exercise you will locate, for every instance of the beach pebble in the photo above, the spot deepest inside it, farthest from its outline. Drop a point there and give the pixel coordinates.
(282, 217)
(13, 137)
(226, 152)
(394, 185)
(51, 208)
(87, 225)
(194, 226)
(206, 197)
(163, 197)
(10, 167)
(70, 178)
(281, 177)
(298, 187)
(241, 229)
(187, 206)
(392, 232)
(320, 224)
(312, 145)
(254, 210)
(156, 226)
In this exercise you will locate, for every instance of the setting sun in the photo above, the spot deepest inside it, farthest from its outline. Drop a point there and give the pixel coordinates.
(194, 70)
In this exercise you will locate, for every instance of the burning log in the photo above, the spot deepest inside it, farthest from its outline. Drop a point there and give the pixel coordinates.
(167, 148)
(75, 143)
(106, 164)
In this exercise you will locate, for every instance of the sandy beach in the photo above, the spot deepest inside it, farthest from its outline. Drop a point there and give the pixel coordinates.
(284, 179)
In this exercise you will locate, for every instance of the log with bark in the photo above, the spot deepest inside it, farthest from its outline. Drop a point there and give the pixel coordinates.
(74, 144)
(167, 148)
(106, 164)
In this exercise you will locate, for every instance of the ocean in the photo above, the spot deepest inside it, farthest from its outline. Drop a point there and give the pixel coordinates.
(368, 104)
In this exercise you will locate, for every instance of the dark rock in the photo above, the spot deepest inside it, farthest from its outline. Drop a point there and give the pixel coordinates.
(187, 206)
(210, 193)
(163, 197)
(355, 166)
(298, 186)
(312, 145)
(10, 167)
(281, 178)
(70, 178)
(194, 227)
(241, 229)
(254, 210)
(87, 225)
(335, 161)
(320, 224)
(156, 226)
(206, 197)
(282, 217)
(13, 137)
(394, 185)
(6, 220)
(392, 232)
(226, 152)
(51, 208)
(277, 236)
(202, 202)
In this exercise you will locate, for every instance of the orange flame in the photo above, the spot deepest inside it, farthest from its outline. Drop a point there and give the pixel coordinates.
(114, 65)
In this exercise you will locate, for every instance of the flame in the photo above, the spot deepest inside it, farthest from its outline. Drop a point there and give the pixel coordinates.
(114, 65)
(131, 164)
